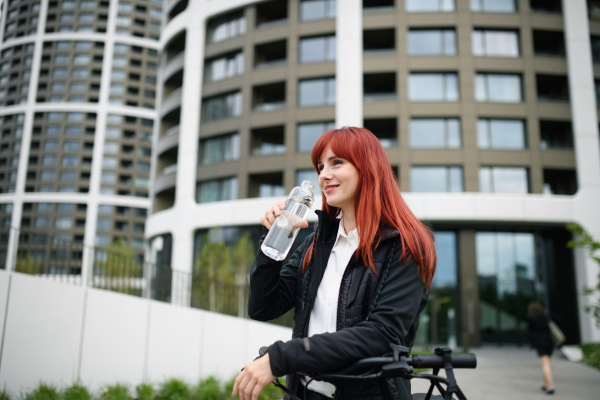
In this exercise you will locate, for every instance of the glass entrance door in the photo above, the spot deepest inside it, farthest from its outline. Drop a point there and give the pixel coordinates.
(509, 279)
(439, 320)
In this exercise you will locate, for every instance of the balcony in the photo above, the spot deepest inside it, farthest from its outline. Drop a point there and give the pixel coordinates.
(270, 54)
(269, 97)
(174, 48)
(549, 43)
(386, 130)
(559, 181)
(175, 7)
(379, 87)
(268, 141)
(379, 42)
(171, 102)
(165, 181)
(271, 13)
(169, 140)
(553, 88)
(370, 6)
(556, 135)
(266, 185)
(175, 64)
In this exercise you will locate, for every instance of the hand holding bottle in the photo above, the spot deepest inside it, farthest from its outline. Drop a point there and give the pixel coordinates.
(269, 217)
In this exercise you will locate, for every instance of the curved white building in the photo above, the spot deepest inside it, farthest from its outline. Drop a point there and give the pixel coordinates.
(487, 113)
(77, 110)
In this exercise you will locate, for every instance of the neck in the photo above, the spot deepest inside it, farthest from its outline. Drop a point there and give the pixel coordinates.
(349, 220)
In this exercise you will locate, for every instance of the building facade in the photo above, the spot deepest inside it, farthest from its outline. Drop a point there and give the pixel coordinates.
(486, 111)
(77, 114)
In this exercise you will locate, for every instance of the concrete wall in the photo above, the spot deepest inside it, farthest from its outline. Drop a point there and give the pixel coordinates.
(61, 333)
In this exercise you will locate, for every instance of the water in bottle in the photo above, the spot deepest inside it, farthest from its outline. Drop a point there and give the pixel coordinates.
(282, 234)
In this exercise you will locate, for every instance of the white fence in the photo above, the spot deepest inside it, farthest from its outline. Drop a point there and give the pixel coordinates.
(61, 334)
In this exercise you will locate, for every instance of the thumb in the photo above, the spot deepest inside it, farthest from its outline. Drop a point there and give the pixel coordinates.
(305, 224)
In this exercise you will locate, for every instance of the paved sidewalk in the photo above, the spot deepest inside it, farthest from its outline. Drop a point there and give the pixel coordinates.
(515, 374)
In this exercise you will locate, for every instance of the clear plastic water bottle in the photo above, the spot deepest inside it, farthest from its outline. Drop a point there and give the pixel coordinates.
(282, 234)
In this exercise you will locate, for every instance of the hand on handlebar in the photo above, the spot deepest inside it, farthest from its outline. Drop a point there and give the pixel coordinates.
(253, 379)
(268, 218)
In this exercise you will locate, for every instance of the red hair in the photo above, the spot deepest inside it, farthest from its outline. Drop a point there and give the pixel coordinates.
(379, 200)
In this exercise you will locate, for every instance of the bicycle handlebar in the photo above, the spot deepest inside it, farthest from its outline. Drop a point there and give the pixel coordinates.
(416, 361)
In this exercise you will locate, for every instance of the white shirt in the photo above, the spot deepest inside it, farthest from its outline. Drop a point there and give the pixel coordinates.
(323, 317)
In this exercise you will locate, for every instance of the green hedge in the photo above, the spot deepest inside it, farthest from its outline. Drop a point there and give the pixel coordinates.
(591, 354)
(171, 389)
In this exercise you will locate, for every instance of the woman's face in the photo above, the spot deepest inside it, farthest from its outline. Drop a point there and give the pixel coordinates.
(338, 180)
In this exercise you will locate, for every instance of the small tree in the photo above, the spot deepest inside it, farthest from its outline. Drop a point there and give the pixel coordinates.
(120, 263)
(591, 247)
(28, 265)
(213, 270)
(243, 256)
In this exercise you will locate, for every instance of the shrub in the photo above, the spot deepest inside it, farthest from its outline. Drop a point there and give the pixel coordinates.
(4, 395)
(210, 389)
(119, 391)
(44, 392)
(76, 392)
(591, 354)
(272, 392)
(145, 391)
(173, 389)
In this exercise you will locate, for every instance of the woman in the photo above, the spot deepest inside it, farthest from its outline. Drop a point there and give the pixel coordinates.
(358, 283)
(542, 341)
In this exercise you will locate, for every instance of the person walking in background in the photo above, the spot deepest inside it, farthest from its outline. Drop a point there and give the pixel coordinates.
(541, 340)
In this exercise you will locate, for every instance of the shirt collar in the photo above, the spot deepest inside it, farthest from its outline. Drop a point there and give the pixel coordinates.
(352, 236)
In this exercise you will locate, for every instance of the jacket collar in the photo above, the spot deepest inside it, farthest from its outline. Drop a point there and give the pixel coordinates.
(328, 229)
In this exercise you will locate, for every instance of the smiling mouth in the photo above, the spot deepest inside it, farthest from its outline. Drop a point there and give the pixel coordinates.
(329, 188)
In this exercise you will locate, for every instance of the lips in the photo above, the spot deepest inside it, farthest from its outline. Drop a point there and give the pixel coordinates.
(330, 188)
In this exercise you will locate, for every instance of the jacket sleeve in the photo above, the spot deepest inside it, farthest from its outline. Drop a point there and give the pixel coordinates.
(393, 314)
(273, 286)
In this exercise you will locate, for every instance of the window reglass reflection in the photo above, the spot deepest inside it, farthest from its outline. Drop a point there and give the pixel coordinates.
(311, 10)
(432, 42)
(308, 134)
(435, 133)
(501, 134)
(436, 179)
(433, 87)
(503, 180)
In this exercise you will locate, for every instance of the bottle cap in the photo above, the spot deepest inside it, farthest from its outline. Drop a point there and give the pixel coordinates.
(309, 185)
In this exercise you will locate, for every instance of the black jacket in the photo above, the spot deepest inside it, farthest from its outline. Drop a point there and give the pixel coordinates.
(374, 309)
(540, 331)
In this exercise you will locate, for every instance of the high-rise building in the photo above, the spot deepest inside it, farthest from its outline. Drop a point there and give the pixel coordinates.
(486, 110)
(77, 112)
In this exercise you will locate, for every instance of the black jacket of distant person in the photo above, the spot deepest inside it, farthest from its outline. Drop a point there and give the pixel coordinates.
(374, 309)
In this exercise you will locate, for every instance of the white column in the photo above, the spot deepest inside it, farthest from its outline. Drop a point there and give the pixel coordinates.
(585, 133)
(348, 65)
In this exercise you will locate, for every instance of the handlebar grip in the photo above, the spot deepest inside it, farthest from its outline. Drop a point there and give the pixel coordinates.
(458, 360)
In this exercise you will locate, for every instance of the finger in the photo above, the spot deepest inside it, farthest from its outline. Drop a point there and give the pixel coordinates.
(276, 210)
(265, 222)
(281, 203)
(257, 389)
(304, 224)
(249, 389)
(236, 385)
(270, 216)
(244, 386)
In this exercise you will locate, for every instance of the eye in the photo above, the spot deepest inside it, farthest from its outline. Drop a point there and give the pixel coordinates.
(320, 167)
(336, 162)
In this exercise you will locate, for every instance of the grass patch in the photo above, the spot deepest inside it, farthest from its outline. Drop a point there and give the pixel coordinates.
(44, 392)
(76, 392)
(118, 391)
(144, 391)
(591, 354)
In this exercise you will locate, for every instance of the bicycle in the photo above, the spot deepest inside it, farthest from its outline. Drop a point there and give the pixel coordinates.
(400, 366)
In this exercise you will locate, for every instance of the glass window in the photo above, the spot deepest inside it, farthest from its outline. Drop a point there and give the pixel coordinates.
(58, 87)
(308, 175)
(437, 42)
(47, 176)
(502, 88)
(109, 162)
(500, 6)
(68, 176)
(142, 182)
(59, 73)
(64, 207)
(224, 67)
(503, 180)
(70, 145)
(78, 87)
(308, 134)
(501, 134)
(435, 133)
(73, 130)
(112, 133)
(317, 49)
(217, 190)
(80, 72)
(433, 87)
(104, 209)
(117, 75)
(81, 59)
(220, 149)
(70, 161)
(224, 106)
(53, 130)
(111, 148)
(108, 178)
(49, 161)
(436, 179)
(114, 119)
(103, 224)
(311, 10)
(51, 145)
(123, 20)
(42, 222)
(44, 207)
(429, 5)
(119, 61)
(226, 27)
(495, 43)
(316, 92)
(75, 116)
